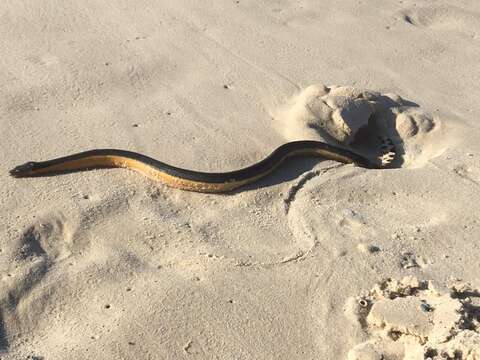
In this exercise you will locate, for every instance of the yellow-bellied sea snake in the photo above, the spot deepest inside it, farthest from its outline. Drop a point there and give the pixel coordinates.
(189, 179)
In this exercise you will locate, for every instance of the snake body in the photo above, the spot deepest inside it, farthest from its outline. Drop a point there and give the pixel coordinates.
(188, 179)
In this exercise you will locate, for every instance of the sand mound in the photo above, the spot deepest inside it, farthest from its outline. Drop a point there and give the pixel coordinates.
(412, 319)
(358, 118)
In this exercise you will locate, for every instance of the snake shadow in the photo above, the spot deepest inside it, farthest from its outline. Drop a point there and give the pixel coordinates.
(291, 169)
(3, 335)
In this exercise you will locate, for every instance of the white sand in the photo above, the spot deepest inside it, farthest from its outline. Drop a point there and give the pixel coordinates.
(108, 265)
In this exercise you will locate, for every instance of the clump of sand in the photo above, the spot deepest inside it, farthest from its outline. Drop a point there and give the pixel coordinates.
(412, 320)
(358, 118)
(337, 112)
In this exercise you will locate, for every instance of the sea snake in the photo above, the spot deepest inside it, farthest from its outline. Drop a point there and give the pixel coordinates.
(195, 180)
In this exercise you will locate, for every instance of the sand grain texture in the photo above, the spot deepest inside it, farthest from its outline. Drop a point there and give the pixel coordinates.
(106, 264)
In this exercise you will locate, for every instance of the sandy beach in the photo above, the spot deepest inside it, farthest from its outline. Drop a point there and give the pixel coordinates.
(318, 260)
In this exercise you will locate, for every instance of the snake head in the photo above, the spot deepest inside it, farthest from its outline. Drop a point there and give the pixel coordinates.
(23, 170)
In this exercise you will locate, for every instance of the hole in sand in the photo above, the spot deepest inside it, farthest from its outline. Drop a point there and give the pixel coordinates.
(363, 303)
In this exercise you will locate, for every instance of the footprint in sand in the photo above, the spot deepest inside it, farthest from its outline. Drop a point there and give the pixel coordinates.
(46, 239)
(358, 118)
(30, 259)
(443, 18)
(412, 319)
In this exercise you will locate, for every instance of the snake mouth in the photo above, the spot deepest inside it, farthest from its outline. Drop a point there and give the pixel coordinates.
(24, 170)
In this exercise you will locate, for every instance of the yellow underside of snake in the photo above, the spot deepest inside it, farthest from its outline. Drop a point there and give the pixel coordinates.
(188, 179)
